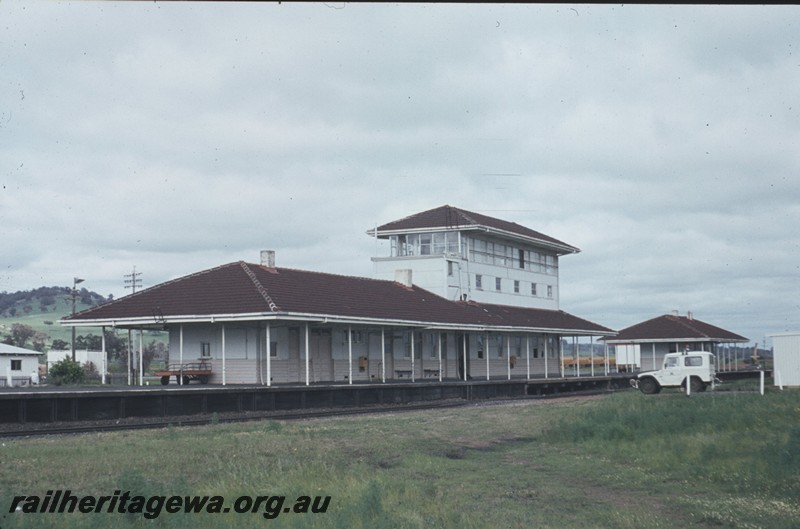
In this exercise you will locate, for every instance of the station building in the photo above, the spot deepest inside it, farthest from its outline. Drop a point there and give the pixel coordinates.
(460, 296)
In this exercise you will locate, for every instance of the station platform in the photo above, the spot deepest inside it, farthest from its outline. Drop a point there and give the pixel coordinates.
(90, 403)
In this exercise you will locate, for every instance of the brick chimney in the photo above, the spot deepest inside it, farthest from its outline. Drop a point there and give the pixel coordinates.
(403, 277)
(268, 258)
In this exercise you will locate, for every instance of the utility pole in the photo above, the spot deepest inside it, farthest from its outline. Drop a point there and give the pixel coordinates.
(75, 281)
(134, 281)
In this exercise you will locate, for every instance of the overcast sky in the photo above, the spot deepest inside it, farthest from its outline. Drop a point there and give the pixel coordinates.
(663, 141)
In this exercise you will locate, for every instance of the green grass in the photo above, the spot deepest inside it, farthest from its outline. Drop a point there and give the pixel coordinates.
(45, 322)
(622, 461)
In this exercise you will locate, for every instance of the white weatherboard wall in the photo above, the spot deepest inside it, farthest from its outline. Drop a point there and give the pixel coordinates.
(82, 356)
(786, 348)
(432, 273)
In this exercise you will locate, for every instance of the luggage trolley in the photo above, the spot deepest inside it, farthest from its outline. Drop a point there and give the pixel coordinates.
(200, 371)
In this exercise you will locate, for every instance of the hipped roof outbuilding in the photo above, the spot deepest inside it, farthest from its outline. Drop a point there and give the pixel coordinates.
(674, 328)
(242, 291)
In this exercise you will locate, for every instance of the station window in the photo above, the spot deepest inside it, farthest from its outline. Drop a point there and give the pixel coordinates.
(355, 336)
(205, 349)
(549, 291)
(433, 344)
(16, 365)
(478, 281)
(417, 346)
(516, 287)
(436, 243)
(273, 349)
(533, 289)
(498, 283)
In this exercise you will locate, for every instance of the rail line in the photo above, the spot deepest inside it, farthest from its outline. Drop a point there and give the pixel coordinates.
(138, 423)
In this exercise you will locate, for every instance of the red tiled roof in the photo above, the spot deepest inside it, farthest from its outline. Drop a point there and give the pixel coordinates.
(241, 288)
(449, 217)
(672, 327)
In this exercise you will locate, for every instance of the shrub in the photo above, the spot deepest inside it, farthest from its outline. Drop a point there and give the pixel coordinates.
(66, 371)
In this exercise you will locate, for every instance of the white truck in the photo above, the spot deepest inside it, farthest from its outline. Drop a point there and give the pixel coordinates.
(695, 366)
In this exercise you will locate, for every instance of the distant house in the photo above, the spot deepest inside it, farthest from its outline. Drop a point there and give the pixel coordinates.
(17, 364)
(643, 346)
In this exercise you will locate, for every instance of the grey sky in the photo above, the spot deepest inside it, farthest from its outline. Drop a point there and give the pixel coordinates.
(664, 141)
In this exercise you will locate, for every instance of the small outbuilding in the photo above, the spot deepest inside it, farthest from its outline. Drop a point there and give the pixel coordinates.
(642, 347)
(83, 357)
(786, 357)
(18, 366)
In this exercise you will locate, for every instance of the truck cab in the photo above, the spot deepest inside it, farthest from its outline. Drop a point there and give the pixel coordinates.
(696, 367)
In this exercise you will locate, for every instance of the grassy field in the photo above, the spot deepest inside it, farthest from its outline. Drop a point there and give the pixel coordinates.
(620, 461)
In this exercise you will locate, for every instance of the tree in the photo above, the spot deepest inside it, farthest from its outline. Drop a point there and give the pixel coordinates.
(114, 344)
(90, 342)
(39, 339)
(150, 351)
(21, 333)
(59, 345)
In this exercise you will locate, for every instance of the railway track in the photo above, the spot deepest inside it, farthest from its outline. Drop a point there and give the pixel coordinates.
(133, 423)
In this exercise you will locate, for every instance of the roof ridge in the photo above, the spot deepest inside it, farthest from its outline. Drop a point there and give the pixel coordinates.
(684, 321)
(261, 290)
(318, 272)
(468, 215)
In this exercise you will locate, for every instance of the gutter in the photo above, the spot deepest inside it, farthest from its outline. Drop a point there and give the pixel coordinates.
(322, 318)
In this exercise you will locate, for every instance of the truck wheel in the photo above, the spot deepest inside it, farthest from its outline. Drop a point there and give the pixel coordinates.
(696, 385)
(648, 386)
(164, 380)
(203, 379)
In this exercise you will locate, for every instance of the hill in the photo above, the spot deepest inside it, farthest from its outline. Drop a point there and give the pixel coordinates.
(41, 308)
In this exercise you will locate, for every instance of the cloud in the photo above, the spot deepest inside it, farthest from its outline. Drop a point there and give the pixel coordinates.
(661, 140)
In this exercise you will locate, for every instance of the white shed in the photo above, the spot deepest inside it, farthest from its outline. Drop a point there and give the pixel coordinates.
(786, 351)
(81, 356)
(17, 365)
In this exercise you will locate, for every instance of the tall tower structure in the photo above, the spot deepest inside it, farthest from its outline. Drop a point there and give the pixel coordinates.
(462, 255)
